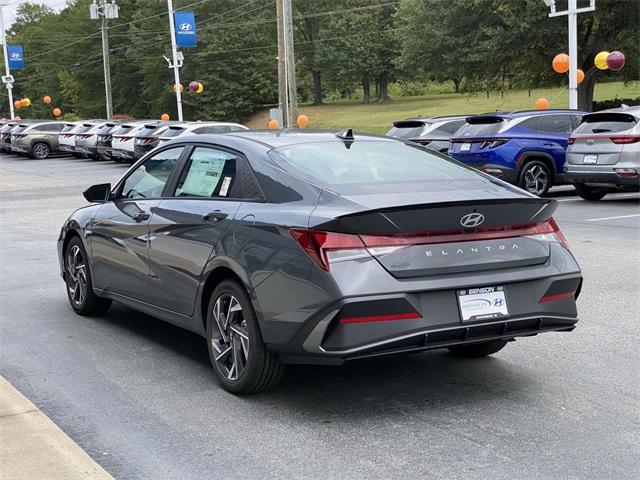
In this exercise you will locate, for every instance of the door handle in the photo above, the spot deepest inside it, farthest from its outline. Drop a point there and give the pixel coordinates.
(548, 144)
(141, 216)
(214, 216)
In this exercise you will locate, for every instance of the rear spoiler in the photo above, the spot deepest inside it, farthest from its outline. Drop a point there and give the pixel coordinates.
(409, 124)
(609, 117)
(484, 119)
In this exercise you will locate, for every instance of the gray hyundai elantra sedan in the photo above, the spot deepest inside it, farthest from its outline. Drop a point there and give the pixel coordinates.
(287, 247)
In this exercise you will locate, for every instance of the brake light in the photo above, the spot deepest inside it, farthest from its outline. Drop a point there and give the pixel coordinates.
(124, 139)
(149, 140)
(570, 140)
(325, 248)
(625, 139)
(626, 172)
(493, 142)
(557, 296)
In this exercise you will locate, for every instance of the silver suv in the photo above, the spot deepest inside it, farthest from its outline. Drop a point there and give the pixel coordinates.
(37, 139)
(604, 153)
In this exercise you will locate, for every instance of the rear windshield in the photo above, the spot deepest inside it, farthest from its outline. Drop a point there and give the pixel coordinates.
(481, 126)
(122, 130)
(606, 122)
(407, 129)
(68, 128)
(18, 129)
(172, 132)
(83, 128)
(105, 129)
(367, 162)
(146, 130)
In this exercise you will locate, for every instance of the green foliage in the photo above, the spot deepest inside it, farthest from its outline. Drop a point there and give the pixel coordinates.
(345, 50)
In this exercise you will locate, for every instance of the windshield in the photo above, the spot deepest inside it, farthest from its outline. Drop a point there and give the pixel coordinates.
(367, 162)
(606, 123)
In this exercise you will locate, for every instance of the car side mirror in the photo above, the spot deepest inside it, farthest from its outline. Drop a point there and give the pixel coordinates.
(98, 193)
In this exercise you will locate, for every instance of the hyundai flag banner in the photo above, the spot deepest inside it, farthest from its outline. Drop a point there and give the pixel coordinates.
(185, 29)
(16, 60)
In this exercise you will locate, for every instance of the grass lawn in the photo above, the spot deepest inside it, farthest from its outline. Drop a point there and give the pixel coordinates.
(377, 118)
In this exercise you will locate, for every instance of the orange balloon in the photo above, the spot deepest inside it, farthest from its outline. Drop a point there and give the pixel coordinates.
(273, 124)
(18, 117)
(579, 76)
(165, 117)
(542, 104)
(57, 112)
(560, 63)
(302, 121)
(46, 99)
(174, 88)
(17, 104)
(24, 103)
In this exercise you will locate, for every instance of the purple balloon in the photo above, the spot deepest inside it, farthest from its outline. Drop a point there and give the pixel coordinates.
(193, 86)
(615, 61)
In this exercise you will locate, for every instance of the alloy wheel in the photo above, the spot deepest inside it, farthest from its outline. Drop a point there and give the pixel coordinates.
(40, 151)
(229, 336)
(77, 272)
(536, 179)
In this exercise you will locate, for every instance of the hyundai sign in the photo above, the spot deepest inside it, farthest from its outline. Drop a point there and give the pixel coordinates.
(185, 29)
(16, 60)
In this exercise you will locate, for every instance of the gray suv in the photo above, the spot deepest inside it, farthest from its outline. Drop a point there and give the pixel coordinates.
(604, 153)
(36, 139)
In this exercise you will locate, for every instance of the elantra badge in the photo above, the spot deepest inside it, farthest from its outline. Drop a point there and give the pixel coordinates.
(471, 220)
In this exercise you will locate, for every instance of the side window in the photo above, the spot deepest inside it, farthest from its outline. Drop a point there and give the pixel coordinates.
(532, 123)
(556, 124)
(149, 179)
(208, 173)
(198, 131)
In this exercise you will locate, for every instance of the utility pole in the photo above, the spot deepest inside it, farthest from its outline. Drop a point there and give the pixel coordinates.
(282, 83)
(105, 11)
(7, 79)
(572, 14)
(177, 62)
(290, 64)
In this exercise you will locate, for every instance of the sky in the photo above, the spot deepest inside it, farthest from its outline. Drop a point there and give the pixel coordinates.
(10, 10)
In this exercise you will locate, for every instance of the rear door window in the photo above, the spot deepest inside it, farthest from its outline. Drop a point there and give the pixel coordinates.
(561, 124)
(209, 173)
(606, 123)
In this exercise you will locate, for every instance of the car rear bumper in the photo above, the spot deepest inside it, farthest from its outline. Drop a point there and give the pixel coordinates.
(326, 340)
(104, 152)
(124, 154)
(499, 171)
(140, 151)
(600, 176)
(91, 151)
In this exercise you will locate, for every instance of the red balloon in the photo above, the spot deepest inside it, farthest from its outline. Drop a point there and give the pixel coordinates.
(615, 60)
(193, 86)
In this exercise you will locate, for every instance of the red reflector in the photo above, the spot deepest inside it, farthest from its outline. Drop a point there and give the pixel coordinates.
(571, 140)
(557, 296)
(379, 318)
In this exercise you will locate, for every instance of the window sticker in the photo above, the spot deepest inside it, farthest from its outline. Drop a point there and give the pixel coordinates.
(226, 182)
(203, 177)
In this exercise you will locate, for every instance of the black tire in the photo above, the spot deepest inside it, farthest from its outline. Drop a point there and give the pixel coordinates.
(535, 177)
(40, 151)
(478, 350)
(78, 281)
(237, 333)
(591, 194)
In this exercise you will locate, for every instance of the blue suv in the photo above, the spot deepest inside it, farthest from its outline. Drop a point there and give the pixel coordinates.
(525, 148)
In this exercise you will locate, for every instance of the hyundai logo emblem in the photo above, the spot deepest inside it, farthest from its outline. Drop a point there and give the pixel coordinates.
(471, 220)
(185, 27)
(15, 55)
(590, 141)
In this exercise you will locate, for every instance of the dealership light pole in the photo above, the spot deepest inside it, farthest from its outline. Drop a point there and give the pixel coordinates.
(572, 14)
(7, 79)
(105, 11)
(177, 59)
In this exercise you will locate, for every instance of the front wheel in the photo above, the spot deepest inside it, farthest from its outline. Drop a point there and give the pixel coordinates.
(535, 177)
(78, 279)
(478, 350)
(589, 193)
(40, 151)
(238, 355)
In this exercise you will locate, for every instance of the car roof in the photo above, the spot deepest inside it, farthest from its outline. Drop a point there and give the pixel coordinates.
(633, 110)
(438, 118)
(281, 138)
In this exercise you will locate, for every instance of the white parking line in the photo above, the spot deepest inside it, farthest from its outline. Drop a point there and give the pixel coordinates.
(615, 195)
(611, 218)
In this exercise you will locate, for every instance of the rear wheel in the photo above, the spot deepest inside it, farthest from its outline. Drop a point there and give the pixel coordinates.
(40, 151)
(478, 350)
(78, 279)
(535, 177)
(589, 193)
(238, 355)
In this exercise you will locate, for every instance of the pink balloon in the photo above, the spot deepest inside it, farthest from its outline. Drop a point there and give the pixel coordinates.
(615, 61)
(193, 86)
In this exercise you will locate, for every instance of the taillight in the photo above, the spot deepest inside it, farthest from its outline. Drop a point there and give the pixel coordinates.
(625, 139)
(493, 142)
(149, 140)
(124, 139)
(326, 247)
(570, 140)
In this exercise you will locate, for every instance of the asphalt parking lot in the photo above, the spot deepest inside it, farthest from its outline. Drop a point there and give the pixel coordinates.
(138, 394)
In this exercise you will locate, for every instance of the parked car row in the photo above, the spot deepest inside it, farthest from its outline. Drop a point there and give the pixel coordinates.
(596, 152)
(125, 141)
